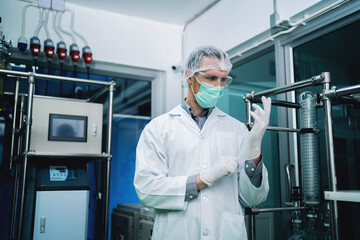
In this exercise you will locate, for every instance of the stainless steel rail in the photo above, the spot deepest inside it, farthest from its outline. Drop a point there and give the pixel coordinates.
(283, 129)
(346, 91)
(74, 155)
(279, 103)
(329, 136)
(251, 212)
(14, 117)
(108, 161)
(52, 77)
(254, 211)
(316, 80)
(27, 145)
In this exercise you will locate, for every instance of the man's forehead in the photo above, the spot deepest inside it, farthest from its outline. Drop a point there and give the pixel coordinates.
(208, 61)
(217, 72)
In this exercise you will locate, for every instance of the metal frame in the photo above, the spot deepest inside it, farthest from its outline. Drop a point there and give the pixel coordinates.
(326, 96)
(31, 76)
(156, 77)
(251, 212)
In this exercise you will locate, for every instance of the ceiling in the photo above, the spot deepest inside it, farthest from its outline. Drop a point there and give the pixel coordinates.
(167, 11)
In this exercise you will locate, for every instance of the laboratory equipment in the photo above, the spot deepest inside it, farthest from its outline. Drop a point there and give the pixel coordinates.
(309, 149)
(62, 200)
(320, 222)
(66, 126)
(73, 149)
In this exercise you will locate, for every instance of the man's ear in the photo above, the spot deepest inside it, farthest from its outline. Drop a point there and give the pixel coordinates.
(187, 73)
(189, 81)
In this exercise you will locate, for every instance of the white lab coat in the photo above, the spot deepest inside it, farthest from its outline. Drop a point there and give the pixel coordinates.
(171, 148)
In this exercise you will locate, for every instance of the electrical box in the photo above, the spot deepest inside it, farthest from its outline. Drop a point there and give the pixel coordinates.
(58, 5)
(66, 126)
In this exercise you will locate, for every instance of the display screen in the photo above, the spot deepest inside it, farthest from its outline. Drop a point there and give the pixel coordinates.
(67, 128)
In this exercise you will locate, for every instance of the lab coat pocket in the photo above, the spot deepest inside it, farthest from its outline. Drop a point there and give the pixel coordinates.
(232, 227)
(226, 144)
(160, 221)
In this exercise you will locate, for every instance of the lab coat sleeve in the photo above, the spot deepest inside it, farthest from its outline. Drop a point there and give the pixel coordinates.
(249, 195)
(152, 184)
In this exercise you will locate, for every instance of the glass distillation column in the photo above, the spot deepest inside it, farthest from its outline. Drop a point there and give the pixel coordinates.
(305, 227)
(310, 174)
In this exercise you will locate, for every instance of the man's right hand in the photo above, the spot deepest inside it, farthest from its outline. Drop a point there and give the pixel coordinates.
(225, 166)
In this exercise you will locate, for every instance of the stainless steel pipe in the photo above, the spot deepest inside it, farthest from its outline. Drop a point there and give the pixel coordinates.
(283, 129)
(97, 94)
(17, 83)
(27, 143)
(335, 93)
(17, 164)
(280, 209)
(52, 77)
(329, 136)
(108, 162)
(316, 80)
(280, 103)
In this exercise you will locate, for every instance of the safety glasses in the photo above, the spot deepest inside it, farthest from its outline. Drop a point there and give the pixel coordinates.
(213, 78)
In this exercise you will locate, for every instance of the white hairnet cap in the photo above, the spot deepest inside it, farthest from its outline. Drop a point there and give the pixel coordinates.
(204, 58)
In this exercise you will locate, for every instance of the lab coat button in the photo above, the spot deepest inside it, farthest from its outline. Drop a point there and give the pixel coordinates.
(191, 196)
(205, 199)
(205, 233)
(204, 165)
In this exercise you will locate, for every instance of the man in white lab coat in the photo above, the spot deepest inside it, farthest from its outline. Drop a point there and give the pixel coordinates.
(196, 164)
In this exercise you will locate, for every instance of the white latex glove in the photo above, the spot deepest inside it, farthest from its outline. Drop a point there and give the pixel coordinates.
(251, 147)
(225, 166)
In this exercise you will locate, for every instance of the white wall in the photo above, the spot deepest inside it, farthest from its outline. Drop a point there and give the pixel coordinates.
(137, 42)
(231, 22)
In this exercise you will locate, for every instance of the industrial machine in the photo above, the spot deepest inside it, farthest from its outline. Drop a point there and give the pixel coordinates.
(62, 202)
(132, 221)
(53, 141)
(71, 127)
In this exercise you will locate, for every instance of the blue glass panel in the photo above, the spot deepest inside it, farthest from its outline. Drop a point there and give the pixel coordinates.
(125, 135)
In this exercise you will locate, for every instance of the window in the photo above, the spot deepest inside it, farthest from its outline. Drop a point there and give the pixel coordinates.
(337, 53)
(256, 75)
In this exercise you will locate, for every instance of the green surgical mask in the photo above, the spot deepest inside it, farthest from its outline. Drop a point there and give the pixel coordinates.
(208, 95)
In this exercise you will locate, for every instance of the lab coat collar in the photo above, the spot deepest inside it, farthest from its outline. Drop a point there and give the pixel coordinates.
(214, 116)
